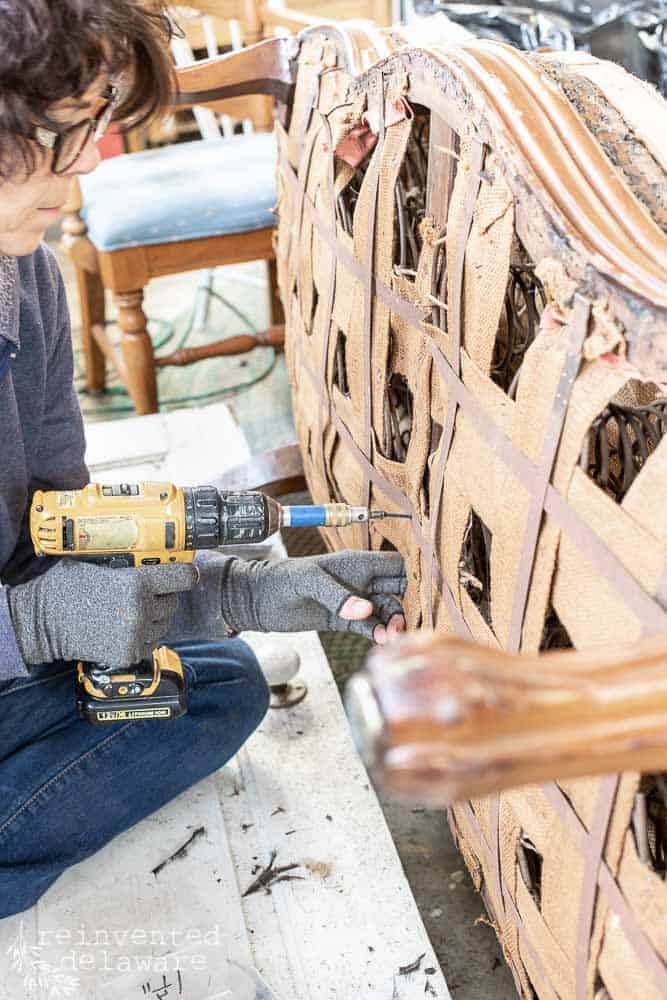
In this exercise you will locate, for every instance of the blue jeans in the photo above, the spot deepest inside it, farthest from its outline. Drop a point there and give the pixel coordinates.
(68, 787)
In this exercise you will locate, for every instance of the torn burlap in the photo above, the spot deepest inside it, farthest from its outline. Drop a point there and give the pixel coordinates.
(505, 342)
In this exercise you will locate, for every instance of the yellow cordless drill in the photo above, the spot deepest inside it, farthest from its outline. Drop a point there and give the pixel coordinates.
(145, 524)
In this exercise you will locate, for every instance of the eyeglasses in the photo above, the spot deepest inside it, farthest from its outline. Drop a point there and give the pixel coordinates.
(68, 145)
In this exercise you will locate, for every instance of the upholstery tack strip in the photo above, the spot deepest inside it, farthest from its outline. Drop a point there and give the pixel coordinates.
(301, 184)
(455, 319)
(331, 280)
(325, 410)
(376, 95)
(311, 103)
(578, 330)
(597, 838)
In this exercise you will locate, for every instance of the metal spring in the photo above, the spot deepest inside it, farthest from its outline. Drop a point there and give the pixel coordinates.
(397, 419)
(340, 365)
(410, 194)
(524, 301)
(554, 633)
(347, 201)
(475, 565)
(620, 441)
(439, 282)
(530, 865)
(438, 296)
(649, 822)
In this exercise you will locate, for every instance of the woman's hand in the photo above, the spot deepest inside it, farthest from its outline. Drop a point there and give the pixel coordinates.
(351, 591)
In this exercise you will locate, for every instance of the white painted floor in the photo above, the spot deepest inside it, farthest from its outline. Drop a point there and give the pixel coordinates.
(110, 930)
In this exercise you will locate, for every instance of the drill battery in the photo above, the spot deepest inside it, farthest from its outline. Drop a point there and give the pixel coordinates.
(152, 689)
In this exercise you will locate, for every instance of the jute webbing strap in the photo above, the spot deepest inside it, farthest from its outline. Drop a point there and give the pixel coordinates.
(595, 844)
(578, 330)
(455, 326)
(412, 315)
(576, 830)
(376, 108)
(311, 101)
(540, 481)
(494, 810)
(302, 183)
(511, 910)
(329, 291)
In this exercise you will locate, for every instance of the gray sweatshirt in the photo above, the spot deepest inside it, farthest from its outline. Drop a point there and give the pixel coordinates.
(43, 443)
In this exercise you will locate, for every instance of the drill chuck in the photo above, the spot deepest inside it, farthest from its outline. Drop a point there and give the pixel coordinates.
(214, 518)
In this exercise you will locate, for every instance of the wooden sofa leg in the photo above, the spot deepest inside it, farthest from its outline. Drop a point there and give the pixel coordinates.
(91, 300)
(137, 352)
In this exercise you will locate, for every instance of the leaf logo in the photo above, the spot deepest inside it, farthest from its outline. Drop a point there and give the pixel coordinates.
(41, 980)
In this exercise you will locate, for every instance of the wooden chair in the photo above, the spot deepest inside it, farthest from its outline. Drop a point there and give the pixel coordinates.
(163, 211)
(276, 15)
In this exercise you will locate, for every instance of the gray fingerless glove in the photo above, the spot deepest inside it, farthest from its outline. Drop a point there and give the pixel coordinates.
(79, 611)
(296, 595)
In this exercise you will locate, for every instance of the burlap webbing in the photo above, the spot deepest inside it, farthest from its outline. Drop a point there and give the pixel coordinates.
(594, 388)
(487, 260)
(569, 370)
(515, 463)
(461, 208)
(512, 932)
(597, 836)
(305, 95)
(617, 831)
(361, 318)
(622, 915)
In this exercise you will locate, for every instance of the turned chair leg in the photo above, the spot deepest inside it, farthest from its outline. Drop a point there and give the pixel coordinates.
(137, 352)
(275, 305)
(91, 299)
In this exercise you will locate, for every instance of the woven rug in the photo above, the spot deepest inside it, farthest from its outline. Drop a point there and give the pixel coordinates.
(234, 307)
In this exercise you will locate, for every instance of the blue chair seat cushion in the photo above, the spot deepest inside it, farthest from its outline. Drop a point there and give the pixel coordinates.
(187, 191)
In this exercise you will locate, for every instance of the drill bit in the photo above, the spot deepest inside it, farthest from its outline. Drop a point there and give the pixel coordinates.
(331, 515)
(378, 515)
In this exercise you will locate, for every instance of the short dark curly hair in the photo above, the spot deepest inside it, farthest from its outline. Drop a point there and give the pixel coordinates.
(53, 50)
